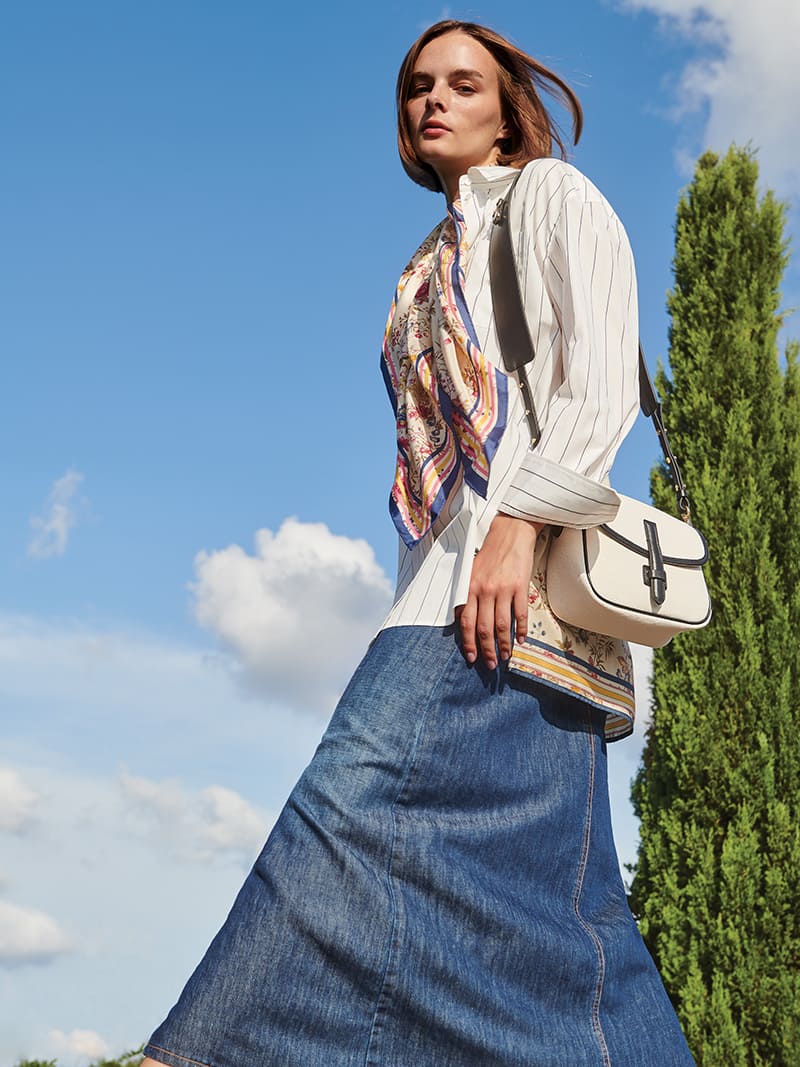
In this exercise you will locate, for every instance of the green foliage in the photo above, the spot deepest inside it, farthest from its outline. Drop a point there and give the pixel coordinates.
(716, 887)
(127, 1059)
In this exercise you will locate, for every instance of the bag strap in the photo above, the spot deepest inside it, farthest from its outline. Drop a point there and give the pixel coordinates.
(516, 343)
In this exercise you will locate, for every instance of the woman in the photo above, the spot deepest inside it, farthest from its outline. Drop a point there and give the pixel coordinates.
(442, 889)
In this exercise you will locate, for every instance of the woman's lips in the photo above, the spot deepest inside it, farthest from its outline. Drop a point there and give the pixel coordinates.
(434, 129)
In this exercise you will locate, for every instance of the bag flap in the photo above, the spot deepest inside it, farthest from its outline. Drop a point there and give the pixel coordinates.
(681, 544)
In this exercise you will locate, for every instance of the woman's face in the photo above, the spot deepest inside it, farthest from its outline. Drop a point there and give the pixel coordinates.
(453, 108)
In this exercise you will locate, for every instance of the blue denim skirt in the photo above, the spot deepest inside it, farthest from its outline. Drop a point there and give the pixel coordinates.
(440, 890)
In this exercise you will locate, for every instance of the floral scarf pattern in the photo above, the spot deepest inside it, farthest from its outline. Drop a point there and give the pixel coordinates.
(450, 402)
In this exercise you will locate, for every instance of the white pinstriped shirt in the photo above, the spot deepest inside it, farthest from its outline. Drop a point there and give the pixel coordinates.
(579, 290)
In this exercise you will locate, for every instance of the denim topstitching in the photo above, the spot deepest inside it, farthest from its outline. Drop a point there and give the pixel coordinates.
(177, 1056)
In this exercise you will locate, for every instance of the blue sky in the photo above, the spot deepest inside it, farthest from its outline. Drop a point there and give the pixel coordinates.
(202, 220)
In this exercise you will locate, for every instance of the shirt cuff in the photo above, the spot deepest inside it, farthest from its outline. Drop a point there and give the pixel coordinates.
(547, 492)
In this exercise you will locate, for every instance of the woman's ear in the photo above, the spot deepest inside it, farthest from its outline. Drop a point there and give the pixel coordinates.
(503, 141)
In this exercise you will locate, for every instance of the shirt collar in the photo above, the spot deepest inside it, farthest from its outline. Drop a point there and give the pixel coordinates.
(477, 176)
(477, 188)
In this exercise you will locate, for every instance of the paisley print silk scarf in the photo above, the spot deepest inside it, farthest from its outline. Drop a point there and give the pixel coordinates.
(450, 401)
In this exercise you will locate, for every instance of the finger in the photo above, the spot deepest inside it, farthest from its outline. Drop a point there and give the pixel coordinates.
(502, 623)
(521, 615)
(485, 629)
(466, 620)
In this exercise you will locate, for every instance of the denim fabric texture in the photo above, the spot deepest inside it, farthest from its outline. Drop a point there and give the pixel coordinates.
(440, 890)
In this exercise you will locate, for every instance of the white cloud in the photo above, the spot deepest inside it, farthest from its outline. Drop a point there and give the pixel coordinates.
(230, 822)
(77, 1045)
(212, 823)
(643, 680)
(623, 761)
(138, 915)
(17, 802)
(140, 886)
(51, 530)
(100, 674)
(746, 77)
(112, 698)
(29, 936)
(298, 613)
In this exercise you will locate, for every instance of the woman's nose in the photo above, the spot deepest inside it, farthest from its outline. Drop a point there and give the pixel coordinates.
(436, 98)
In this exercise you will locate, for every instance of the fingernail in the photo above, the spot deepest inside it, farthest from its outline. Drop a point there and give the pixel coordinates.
(471, 657)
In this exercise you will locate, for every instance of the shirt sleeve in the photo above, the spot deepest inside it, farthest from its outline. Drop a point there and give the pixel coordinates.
(589, 274)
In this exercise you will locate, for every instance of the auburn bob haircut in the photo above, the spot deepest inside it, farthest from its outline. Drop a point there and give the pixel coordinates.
(533, 131)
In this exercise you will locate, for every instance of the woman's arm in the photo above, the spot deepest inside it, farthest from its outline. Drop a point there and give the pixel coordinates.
(589, 275)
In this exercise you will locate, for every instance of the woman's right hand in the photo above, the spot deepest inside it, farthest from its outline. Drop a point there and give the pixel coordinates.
(498, 590)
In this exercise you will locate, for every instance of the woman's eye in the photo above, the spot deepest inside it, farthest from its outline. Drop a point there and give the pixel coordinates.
(465, 89)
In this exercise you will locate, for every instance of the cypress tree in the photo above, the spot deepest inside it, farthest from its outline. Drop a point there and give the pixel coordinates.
(716, 885)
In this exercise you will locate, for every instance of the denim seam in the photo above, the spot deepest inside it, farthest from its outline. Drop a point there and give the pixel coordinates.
(177, 1055)
(597, 1025)
(395, 931)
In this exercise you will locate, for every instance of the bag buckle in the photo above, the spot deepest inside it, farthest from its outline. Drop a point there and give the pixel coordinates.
(653, 572)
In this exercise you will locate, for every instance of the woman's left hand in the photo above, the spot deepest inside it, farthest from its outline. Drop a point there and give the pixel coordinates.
(498, 590)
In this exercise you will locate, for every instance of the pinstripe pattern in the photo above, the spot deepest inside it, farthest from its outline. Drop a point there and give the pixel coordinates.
(579, 288)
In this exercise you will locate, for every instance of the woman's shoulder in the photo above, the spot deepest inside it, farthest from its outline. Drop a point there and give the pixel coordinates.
(551, 194)
(546, 184)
